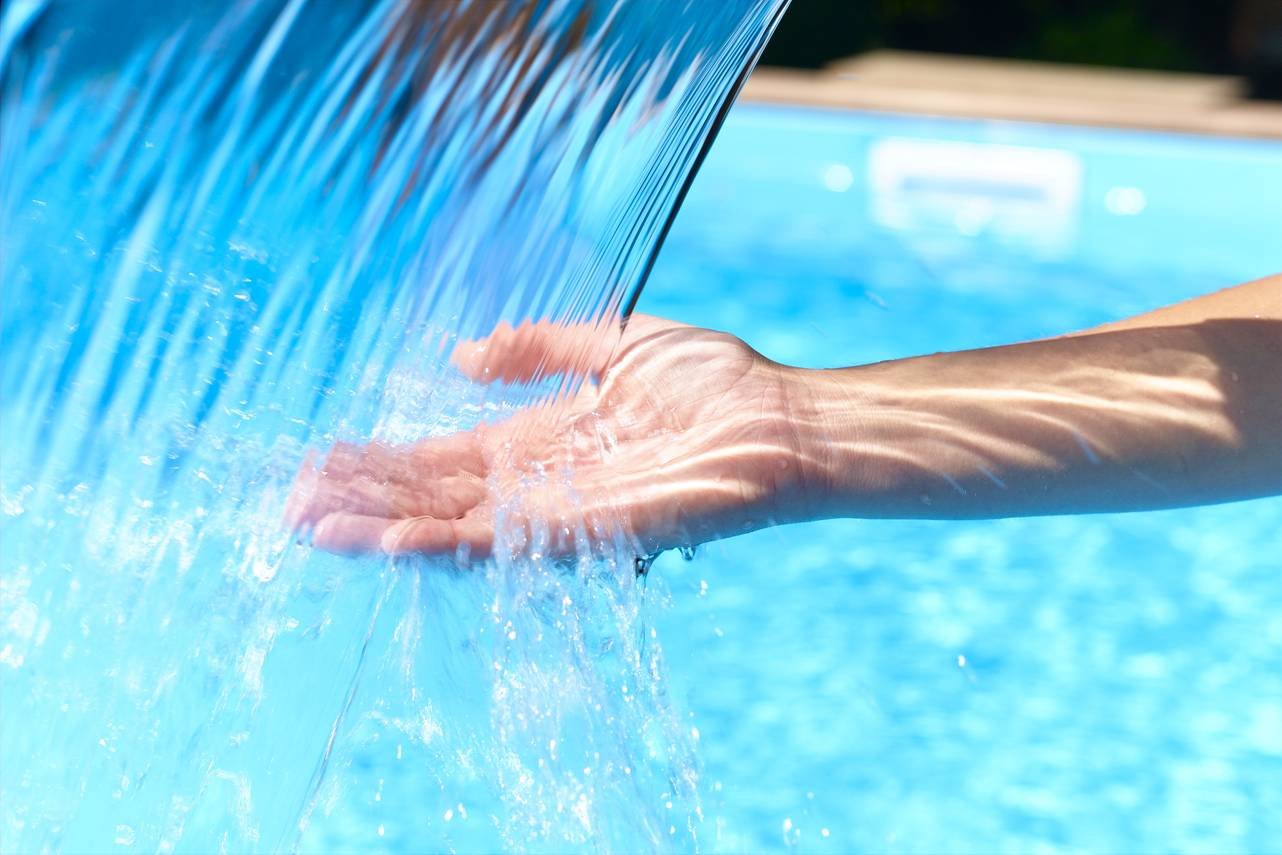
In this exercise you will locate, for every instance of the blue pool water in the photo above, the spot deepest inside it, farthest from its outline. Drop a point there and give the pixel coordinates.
(1092, 683)
(230, 235)
(231, 259)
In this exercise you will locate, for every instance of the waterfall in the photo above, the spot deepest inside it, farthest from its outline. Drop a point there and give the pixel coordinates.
(234, 232)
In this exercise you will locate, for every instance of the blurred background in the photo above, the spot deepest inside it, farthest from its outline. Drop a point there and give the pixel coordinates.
(1238, 37)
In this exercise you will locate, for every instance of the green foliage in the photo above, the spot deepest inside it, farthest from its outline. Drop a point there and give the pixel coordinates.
(1111, 37)
(1161, 34)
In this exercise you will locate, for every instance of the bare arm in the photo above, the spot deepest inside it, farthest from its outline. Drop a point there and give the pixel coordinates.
(1181, 406)
(690, 435)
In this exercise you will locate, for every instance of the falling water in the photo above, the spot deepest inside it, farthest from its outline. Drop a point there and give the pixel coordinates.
(232, 232)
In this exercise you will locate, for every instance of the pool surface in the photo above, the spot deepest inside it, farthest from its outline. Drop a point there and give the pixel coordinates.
(1093, 683)
(1103, 683)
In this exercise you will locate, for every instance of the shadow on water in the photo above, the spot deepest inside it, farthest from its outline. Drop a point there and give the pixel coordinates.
(230, 232)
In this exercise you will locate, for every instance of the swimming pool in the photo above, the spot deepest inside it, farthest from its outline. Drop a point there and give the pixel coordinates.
(1102, 683)
(1099, 683)
(1060, 683)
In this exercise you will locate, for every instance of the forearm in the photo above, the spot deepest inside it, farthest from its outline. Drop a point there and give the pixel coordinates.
(1178, 408)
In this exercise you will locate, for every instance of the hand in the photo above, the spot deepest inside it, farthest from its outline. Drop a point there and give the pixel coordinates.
(685, 437)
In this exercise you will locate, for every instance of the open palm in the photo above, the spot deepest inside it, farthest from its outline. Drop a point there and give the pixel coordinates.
(684, 437)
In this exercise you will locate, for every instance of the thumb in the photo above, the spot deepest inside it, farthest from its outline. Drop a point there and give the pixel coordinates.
(531, 351)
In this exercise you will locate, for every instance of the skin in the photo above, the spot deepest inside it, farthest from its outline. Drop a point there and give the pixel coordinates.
(689, 435)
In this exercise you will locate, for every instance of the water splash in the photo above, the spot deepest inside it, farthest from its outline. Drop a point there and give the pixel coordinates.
(229, 232)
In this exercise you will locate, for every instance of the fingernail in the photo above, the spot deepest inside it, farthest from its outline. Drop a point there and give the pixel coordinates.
(391, 537)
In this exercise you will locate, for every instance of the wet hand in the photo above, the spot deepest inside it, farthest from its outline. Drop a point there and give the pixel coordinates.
(684, 436)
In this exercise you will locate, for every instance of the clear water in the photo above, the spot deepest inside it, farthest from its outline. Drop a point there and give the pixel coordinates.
(1093, 683)
(230, 232)
(1064, 684)
(178, 674)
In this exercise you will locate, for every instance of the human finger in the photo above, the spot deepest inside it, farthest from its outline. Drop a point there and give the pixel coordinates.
(534, 350)
(442, 456)
(350, 534)
(318, 494)
(431, 536)
(300, 493)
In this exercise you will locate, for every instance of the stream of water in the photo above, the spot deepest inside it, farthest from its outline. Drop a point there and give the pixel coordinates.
(233, 232)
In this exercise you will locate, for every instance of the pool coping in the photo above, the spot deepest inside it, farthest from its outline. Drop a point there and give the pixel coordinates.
(978, 88)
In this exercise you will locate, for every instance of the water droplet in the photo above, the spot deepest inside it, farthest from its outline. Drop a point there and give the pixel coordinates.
(642, 563)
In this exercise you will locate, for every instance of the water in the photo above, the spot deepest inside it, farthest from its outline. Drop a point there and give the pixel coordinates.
(178, 674)
(233, 232)
(1103, 683)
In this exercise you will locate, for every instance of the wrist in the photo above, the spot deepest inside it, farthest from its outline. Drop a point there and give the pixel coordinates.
(826, 412)
(857, 451)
